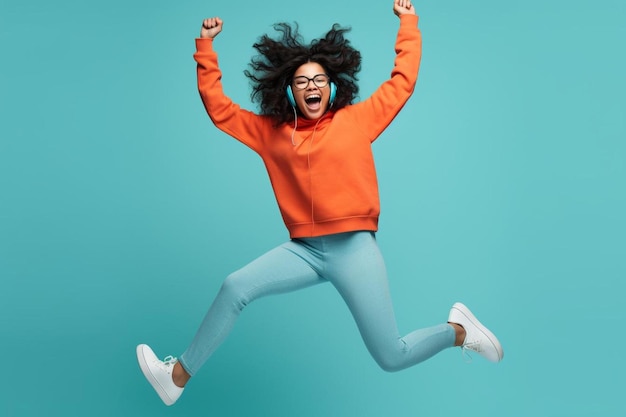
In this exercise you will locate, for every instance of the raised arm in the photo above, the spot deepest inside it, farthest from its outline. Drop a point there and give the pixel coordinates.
(375, 113)
(227, 116)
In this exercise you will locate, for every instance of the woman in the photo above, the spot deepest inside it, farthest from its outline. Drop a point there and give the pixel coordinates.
(316, 146)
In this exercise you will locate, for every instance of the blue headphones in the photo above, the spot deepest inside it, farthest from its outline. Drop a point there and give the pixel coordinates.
(333, 93)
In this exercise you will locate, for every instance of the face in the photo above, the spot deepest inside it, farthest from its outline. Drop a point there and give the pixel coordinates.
(312, 101)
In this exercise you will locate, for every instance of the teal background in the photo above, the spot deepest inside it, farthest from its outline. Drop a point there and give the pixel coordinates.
(122, 209)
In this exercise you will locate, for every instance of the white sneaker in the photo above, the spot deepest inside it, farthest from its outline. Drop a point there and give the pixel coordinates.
(477, 338)
(159, 374)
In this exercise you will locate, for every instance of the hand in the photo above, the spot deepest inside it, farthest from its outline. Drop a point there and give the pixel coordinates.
(211, 27)
(403, 7)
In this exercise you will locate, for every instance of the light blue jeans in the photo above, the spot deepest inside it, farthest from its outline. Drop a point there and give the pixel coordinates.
(350, 261)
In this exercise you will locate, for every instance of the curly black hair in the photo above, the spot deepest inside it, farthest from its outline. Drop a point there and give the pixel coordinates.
(278, 59)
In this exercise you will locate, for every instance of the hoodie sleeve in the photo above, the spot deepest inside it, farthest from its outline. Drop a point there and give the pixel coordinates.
(243, 125)
(375, 113)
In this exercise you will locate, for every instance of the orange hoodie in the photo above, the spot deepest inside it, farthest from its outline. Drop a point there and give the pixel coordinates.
(325, 183)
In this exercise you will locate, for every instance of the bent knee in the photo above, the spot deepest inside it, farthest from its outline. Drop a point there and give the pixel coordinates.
(234, 290)
(389, 365)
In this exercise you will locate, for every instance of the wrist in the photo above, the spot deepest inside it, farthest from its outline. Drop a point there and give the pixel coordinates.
(408, 19)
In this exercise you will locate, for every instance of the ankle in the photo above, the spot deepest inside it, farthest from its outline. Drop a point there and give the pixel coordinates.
(179, 375)
(459, 332)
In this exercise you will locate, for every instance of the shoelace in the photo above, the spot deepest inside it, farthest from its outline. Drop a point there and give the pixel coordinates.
(166, 363)
(169, 360)
(473, 346)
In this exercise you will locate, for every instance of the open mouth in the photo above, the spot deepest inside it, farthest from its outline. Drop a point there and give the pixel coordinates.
(313, 101)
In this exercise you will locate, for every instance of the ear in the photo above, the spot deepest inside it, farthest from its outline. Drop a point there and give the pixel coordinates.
(290, 97)
(333, 93)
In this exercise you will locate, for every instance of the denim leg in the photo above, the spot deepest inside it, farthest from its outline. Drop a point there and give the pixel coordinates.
(356, 268)
(352, 262)
(284, 269)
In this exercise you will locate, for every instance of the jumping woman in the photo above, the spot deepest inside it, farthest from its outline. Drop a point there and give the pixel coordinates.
(315, 142)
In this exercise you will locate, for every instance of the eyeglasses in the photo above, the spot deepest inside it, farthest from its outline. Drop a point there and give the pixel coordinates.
(301, 82)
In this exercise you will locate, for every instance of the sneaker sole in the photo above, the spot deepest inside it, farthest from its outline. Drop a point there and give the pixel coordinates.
(143, 364)
(461, 308)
